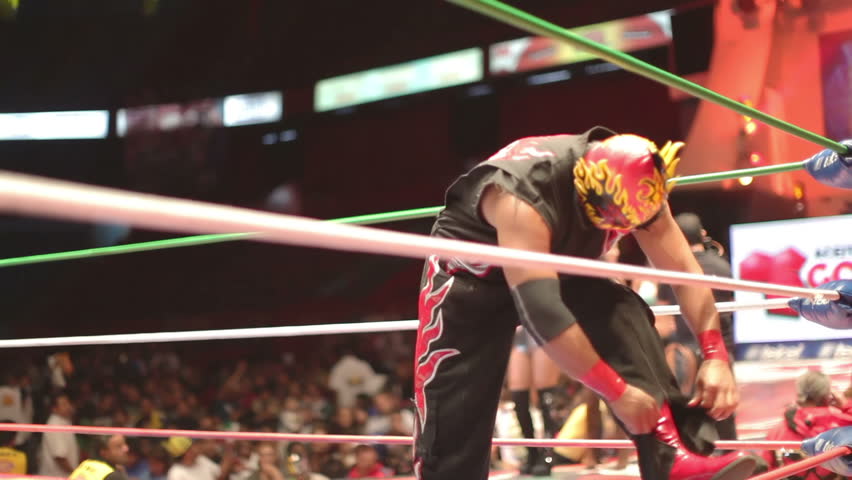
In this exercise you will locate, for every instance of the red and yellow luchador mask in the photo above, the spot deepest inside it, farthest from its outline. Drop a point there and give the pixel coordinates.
(622, 181)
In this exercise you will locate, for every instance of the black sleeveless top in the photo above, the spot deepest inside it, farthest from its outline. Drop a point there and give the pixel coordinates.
(540, 171)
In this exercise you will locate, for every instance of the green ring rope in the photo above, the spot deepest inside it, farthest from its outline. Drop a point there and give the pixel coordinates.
(205, 239)
(524, 21)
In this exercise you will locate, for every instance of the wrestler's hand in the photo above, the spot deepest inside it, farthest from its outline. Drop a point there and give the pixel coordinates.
(715, 389)
(637, 410)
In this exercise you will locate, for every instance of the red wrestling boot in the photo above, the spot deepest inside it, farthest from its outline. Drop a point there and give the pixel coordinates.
(691, 466)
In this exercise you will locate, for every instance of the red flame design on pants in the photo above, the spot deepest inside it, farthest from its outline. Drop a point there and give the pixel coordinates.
(431, 328)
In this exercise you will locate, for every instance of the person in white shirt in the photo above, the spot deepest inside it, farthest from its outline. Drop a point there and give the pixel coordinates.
(59, 452)
(15, 401)
(191, 464)
(351, 376)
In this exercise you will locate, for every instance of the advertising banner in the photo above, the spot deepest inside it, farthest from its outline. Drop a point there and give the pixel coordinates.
(803, 253)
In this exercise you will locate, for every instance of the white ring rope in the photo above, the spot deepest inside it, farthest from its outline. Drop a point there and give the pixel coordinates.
(26, 194)
(301, 330)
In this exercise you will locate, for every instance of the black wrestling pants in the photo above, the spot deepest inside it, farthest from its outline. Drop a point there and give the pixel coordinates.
(463, 343)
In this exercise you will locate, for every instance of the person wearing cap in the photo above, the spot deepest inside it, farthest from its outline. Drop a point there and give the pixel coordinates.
(191, 464)
(682, 351)
(109, 462)
(815, 411)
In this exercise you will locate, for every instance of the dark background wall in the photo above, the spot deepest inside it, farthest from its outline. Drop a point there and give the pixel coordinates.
(393, 155)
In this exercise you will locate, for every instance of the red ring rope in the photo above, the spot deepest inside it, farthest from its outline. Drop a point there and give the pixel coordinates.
(373, 439)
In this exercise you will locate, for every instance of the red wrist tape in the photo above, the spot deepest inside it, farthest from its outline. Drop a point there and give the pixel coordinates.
(712, 345)
(604, 381)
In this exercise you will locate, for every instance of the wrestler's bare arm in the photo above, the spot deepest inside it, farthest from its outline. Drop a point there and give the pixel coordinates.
(667, 249)
(519, 226)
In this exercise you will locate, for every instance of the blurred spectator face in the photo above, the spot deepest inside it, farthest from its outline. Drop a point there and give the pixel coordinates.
(292, 417)
(208, 448)
(267, 455)
(208, 423)
(321, 447)
(192, 454)
(146, 405)
(313, 390)
(299, 449)
(64, 361)
(120, 418)
(116, 451)
(345, 417)
(107, 403)
(385, 403)
(366, 457)
(292, 404)
(63, 407)
(404, 370)
(234, 414)
(151, 387)
(297, 460)
(132, 395)
(157, 465)
(243, 449)
(183, 409)
(360, 416)
(84, 388)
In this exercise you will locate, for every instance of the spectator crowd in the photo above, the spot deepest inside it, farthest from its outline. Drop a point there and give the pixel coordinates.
(342, 386)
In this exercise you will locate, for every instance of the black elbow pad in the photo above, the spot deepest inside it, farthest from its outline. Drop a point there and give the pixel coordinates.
(541, 309)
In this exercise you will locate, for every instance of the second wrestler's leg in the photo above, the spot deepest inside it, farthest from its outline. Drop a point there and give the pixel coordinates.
(545, 379)
(519, 380)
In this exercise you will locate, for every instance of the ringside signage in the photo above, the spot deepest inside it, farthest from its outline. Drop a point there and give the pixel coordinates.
(802, 253)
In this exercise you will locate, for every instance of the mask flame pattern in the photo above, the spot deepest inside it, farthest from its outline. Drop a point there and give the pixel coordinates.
(625, 189)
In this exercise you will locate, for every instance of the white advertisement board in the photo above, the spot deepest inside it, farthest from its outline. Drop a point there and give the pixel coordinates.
(803, 252)
(83, 124)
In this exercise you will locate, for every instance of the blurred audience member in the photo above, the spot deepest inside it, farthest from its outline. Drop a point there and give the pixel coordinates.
(16, 401)
(159, 464)
(60, 368)
(388, 417)
(367, 464)
(292, 417)
(59, 452)
(351, 376)
(12, 460)
(109, 462)
(149, 415)
(816, 410)
(191, 464)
